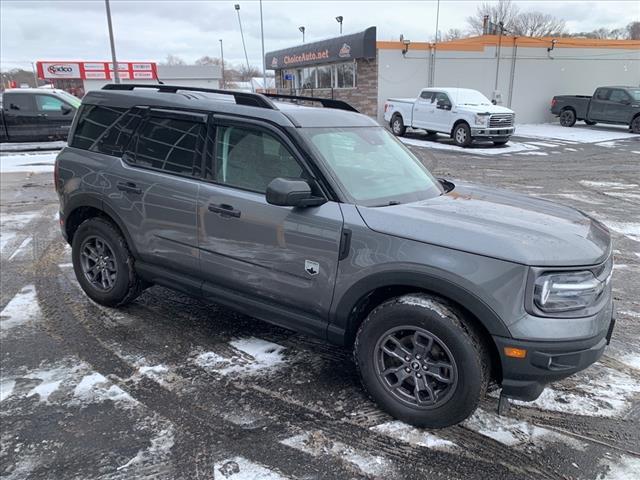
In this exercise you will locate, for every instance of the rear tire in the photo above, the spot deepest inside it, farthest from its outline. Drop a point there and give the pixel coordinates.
(462, 135)
(447, 360)
(103, 263)
(635, 125)
(567, 118)
(397, 125)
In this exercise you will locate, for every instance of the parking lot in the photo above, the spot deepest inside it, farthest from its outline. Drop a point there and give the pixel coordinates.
(174, 388)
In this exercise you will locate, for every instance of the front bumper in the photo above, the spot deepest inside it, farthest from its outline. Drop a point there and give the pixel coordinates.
(490, 133)
(545, 362)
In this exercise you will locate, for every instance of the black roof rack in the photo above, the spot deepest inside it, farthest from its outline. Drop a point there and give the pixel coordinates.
(326, 102)
(241, 98)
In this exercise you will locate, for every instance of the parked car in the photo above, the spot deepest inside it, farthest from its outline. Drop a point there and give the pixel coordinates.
(615, 105)
(34, 115)
(319, 220)
(466, 115)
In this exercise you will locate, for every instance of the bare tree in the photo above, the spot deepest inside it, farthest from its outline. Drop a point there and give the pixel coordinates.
(537, 24)
(207, 60)
(633, 31)
(504, 12)
(452, 34)
(174, 60)
(246, 74)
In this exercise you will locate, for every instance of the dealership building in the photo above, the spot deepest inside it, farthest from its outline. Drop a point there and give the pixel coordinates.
(522, 73)
(79, 77)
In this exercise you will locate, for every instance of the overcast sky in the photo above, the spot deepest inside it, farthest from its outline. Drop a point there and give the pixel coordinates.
(152, 29)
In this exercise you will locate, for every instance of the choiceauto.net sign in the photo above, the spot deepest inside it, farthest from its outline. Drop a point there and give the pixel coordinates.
(96, 70)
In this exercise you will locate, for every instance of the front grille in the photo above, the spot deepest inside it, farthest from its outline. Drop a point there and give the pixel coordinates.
(501, 120)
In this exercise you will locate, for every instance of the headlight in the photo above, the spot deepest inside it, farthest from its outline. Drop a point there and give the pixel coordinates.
(482, 120)
(562, 292)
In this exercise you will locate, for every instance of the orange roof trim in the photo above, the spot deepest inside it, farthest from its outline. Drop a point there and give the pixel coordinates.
(478, 44)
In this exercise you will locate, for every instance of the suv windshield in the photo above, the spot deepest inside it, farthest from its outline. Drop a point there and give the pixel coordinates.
(470, 97)
(372, 167)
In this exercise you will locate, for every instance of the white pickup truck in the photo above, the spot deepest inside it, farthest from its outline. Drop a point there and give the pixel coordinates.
(462, 113)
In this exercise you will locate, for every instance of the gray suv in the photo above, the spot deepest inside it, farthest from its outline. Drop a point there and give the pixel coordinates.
(319, 220)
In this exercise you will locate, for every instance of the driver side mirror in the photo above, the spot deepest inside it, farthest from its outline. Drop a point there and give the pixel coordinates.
(289, 192)
(443, 105)
(65, 109)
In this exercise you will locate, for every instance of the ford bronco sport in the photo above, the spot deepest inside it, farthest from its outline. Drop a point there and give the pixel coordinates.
(319, 220)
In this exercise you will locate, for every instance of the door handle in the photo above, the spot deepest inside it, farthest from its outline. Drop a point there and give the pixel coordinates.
(43, 115)
(224, 210)
(129, 187)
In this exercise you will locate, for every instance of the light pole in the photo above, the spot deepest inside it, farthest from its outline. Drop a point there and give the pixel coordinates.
(264, 62)
(302, 29)
(244, 46)
(435, 47)
(116, 76)
(35, 77)
(222, 62)
(339, 19)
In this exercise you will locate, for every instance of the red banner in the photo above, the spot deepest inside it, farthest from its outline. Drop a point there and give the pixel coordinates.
(51, 70)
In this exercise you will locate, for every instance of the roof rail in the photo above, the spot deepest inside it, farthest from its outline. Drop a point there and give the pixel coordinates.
(241, 98)
(326, 102)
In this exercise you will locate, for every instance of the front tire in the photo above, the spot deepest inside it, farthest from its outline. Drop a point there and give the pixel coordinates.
(499, 143)
(568, 118)
(462, 135)
(421, 362)
(103, 264)
(635, 125)
(397, 125)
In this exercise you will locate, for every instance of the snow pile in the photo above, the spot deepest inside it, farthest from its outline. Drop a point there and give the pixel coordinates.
(577, 134)
(412, 435)
(254, 356)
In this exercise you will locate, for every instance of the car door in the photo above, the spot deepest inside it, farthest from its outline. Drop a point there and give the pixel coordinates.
(154, 188)
(599, 104)
(54, 114)
(21, 118)
(619, 106)
(423, 110)
(272, 255)
(442, 112)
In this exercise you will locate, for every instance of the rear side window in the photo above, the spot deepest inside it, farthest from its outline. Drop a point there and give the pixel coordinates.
(603, 94)
(170, 144)
(18, 102)
(426, 96)
(93, 123)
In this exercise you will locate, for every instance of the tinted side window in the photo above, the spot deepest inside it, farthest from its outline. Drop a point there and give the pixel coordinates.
(438, 97)
(93, 123)
(114, 140)
(47, 103)
(603, 94)
(171, 145)
(250, 159)
(619, 96)
(18, 102)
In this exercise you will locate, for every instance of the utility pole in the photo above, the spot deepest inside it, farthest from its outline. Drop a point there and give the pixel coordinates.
(264, 62)
(35, 77)
(244, 46)
(302, 29)
(339, 19)
(435, 47)
(116, 75)
(222, 61)
(499, 48)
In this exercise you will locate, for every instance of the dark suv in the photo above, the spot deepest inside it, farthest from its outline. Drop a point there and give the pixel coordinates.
(319, 220)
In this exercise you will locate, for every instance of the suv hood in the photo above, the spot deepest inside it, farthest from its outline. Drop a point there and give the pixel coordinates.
(499, 224)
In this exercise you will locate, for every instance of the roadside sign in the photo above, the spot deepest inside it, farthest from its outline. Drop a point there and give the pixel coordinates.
(288, 76)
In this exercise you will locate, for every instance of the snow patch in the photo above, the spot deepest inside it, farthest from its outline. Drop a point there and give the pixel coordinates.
(576, 134)
(21, 250)
(31, 146)
(512, 432)
(533, 153)
(415, 436)
(511, 147)
(95, 388)
(160, 447)
(609, 185)
(598, 392)
(254, 356)
(6, 388)
(318, 445)
(239, 468)
(21, 309)
(628, 229)
(12, 223)
(50, 380)
(626, 469)
(35, 163)
(427, 303)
